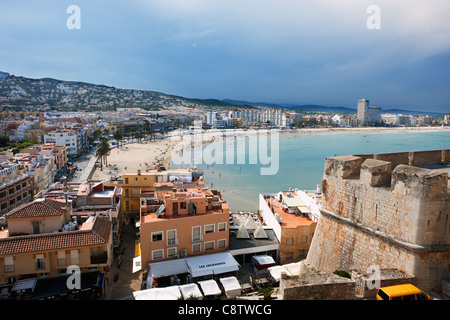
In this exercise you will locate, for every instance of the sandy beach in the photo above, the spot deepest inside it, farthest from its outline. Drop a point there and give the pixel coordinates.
(146, 155)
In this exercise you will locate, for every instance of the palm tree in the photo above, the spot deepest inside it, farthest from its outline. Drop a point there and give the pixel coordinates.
(103, 152)
(118, 136)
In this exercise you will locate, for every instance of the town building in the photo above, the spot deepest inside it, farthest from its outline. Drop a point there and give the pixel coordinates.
(368, 114)
(65, 138)
(16, 186)
(134, 185)
(179, 221)
(42, 242)
(249, 237)
(293, 216)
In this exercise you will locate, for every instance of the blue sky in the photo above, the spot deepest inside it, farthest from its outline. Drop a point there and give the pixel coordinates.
(287, 51)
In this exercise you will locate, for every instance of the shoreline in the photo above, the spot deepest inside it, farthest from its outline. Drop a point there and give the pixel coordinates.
(146, 155)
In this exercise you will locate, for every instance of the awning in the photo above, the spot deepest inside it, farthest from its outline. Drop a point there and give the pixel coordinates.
(24, 285)
(167, 293)
(190, 289)
(264, 260)
(210, 287)
(168, 268)
(231, 286)
(212, 264)
(50, 288)
(303, 209)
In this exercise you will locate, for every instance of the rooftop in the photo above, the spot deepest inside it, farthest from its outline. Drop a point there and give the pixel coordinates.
(290, 220)
(38, 208)
(94, 233)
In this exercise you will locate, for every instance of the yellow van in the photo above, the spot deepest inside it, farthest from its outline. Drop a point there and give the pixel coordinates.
(402, 292)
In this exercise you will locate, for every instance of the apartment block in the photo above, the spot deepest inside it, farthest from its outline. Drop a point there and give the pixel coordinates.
(16, 186)
(178, 222)
(42, 241)
(134, 185)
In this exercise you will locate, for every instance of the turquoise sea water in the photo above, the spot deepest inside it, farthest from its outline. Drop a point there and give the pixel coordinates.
(301, 161)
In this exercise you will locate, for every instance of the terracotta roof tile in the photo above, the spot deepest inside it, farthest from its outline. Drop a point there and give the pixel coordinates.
(99, 234)
(46, 207)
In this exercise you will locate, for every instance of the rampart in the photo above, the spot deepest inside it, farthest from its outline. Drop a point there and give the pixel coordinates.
(390, 210)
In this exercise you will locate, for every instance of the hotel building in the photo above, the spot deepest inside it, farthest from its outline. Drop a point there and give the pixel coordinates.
(179, 222)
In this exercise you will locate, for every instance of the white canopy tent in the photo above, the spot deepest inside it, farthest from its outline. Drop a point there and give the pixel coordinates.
(167, 293)
(210, 287)
(231, 286)
(165, 269)
(217, 263)
(190, 289)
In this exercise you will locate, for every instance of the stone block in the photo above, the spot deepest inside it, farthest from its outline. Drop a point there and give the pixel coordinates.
(419, 182)
(342, 167)
(395, 158)
(375, 172)
(418, 158)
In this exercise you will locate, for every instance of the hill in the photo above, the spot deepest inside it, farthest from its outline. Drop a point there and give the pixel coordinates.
(49, 93)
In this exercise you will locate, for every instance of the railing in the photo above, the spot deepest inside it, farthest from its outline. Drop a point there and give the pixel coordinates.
(172, 242)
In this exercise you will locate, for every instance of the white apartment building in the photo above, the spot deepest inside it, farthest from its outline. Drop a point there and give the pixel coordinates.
(64, 138)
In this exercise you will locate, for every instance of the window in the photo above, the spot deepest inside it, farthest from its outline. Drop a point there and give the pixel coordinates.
(74, 257)
(304, 239)
(171, 237)
(209, 245)
(157, 236)
(36, 227)
(40, 262)
(222, 226)
(62, 261)
(182, 205)
(9, 264)
(171, 252)
(289, 242)
(126, 180)
(196, 234)
(222, 243)
(197, 247)
(209, 228)
(157, 254)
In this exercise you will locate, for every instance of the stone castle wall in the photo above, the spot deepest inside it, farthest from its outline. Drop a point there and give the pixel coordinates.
(383, 210)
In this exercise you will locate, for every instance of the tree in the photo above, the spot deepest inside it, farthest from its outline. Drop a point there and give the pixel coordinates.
(118, 136)
(103, 152)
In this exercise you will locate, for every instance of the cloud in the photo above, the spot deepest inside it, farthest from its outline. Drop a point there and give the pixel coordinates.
(290, 50)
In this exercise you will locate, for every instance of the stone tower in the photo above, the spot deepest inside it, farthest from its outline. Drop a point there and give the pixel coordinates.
(389, 210)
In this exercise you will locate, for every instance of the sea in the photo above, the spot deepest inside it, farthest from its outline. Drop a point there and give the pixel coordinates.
(301, 160)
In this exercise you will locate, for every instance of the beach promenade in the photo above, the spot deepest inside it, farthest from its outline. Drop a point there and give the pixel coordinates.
(146, 155)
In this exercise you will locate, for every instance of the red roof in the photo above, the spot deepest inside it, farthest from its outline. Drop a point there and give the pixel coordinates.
(99, 234)
(38, 208)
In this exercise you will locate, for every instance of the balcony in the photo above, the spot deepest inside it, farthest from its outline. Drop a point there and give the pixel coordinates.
(100, 258)
(172, 242)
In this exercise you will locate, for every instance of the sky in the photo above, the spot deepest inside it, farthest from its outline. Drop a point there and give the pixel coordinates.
(322, 52)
